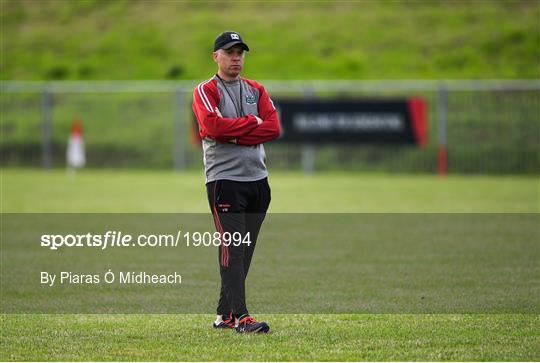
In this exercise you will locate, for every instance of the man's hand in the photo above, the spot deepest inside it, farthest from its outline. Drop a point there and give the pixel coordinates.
(259, 120)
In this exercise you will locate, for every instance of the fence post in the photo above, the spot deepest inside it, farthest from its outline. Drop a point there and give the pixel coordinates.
(47, 129)
(308, 150)
(179, 131)
(442, 112)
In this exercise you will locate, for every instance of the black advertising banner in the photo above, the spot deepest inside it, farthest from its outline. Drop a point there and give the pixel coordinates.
(373, 121)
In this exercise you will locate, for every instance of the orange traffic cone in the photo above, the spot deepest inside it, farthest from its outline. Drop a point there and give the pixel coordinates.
(75, 154)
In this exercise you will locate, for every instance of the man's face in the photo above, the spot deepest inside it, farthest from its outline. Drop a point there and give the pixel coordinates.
(230, 61)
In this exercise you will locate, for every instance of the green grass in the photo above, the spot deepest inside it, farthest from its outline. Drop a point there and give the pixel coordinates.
(289, 40)
(507, 333)
(33, 190)
(295, 338)
(489, 132)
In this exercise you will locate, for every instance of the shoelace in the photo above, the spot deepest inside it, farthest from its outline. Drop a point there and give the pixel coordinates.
(229, 321)
(248, 320)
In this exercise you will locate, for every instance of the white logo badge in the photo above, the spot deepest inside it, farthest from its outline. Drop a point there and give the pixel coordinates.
(235, 36)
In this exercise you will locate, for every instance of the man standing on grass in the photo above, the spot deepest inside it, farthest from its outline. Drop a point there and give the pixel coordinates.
(235, 116)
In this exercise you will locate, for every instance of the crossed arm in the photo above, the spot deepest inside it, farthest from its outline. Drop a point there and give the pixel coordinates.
(247, 130)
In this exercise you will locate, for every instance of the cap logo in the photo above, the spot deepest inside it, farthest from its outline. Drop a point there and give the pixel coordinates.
(235, 36)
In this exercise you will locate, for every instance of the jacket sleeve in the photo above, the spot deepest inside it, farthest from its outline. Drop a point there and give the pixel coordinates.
(205, 102)
(270, 129)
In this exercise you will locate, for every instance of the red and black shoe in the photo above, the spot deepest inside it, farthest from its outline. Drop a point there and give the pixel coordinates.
(247, 324)
(227, 323)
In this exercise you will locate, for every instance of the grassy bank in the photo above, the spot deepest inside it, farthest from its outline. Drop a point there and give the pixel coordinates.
(289, 40)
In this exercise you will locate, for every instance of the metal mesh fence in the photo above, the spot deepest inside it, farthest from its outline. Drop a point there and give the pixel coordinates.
(487, 126)
(495, 131)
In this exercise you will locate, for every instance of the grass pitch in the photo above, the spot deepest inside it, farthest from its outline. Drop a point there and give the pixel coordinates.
(106, 191)
(294, 336)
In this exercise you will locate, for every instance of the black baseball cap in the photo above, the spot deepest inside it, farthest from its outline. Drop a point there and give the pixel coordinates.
(227, 39)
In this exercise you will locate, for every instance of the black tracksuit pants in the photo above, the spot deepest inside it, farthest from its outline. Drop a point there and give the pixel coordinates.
(237, 207)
